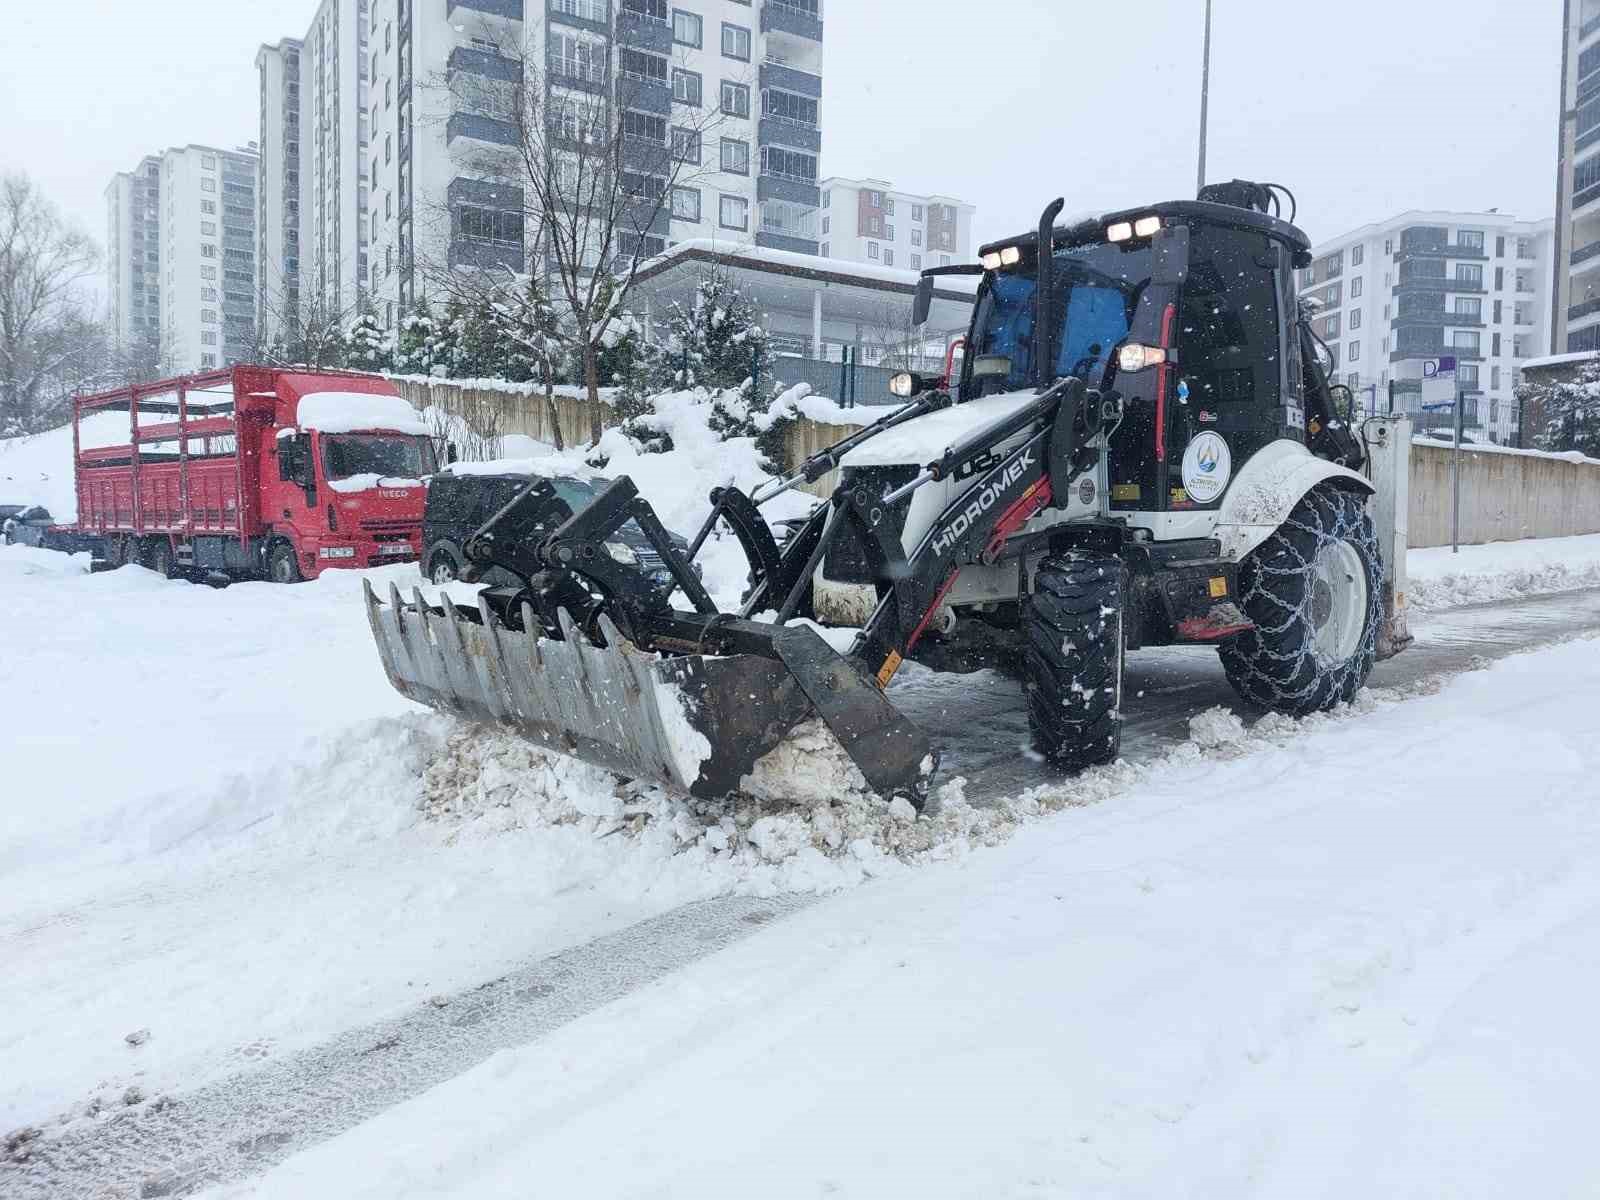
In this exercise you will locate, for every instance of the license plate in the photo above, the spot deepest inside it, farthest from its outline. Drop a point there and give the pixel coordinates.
(398, 548)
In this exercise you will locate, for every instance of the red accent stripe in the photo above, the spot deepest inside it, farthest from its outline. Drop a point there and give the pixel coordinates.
(944, 589)
(1167, 318)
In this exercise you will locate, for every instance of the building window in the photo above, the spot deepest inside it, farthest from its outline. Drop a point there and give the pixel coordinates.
(1522, 313)
(916, 237)
(1470, 273)
(1499, 247)
(643, 187)
(888, 256)
(1355, 351)
(733, 212)
(1355, 318)
(208, 251)
(577, 58)
(825, 221)
(916, 262)
(208, 316)
(388, 205)
(208, 206)
(824, 249)
(1524, 247)
(208, 360)
(735, 99)
(1355, 287)
(686, 204)
(802, 110)
(827, 198)
(916, 212)
(872, 250)
(1495, 345)
(1499, 277)
(944, 260)
(686, 145)
(686, 86)
(207, 293)
(208, 162)
(1357, 252)
(1498, 311)
(1494, 378)
(388, 147)
(1467, 375)
(208, 272)
(888, 205)
(208, 337)
(687, 28)
(656, 10)
(735, 42)
(1465, 339)
(208, 185)
(644, 128)
(646, 67)
(499, 226)
(208, 228)
(788, 164)
(1469, 239)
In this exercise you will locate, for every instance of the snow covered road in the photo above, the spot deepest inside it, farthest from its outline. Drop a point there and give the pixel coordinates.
(229, 839)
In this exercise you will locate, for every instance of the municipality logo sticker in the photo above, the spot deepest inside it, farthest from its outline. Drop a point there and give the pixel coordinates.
(1207, 467)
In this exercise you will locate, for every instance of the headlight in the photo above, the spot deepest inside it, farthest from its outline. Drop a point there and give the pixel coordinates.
(622, 553)
(1120, 232)
(1147, 226)
(1136, 357)
(991, 261)
(1011, 256)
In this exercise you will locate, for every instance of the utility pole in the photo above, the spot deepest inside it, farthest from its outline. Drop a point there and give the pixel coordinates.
(1205, 98)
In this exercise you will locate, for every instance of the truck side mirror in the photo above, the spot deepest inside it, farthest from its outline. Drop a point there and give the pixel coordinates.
(922, 303)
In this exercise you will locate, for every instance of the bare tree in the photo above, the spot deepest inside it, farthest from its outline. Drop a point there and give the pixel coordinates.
(48, 340)
(310, 331)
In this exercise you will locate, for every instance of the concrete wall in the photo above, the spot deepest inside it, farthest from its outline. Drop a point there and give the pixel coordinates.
(1503, 496)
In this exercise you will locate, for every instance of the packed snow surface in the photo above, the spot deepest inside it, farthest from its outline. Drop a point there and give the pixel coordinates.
(346, 412)
(1501, 570)
(1323, 959)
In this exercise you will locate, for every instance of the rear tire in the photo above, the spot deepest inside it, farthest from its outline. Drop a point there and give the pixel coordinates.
(1073, 656)
(1315, 592)
(441, 568)
(282, 565)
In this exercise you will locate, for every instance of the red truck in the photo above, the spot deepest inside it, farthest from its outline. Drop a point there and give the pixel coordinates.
(250, 473)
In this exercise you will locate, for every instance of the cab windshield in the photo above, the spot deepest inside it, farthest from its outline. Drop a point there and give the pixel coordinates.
(389, 454)
(1097, 291)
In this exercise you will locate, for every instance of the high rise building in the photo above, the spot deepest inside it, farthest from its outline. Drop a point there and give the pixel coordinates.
(278, 200)
(133, 259)
(182, 266)
(868, 221)
(1575, 284)
(1393, 295)
(732, 86)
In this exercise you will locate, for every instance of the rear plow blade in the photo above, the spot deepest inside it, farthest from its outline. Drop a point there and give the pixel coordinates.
(695, 724)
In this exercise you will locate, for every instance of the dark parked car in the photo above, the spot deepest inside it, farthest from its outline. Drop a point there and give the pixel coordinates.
(24, 524)
(459, 504)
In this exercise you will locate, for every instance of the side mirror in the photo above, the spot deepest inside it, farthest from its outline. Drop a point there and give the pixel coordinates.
(922, 303)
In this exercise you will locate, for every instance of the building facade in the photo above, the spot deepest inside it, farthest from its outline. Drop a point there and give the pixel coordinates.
(1391, 296)
(868, 221)
(278, 199)
(182, 267)
(1575, 287)
(133, 259)
(732, 88)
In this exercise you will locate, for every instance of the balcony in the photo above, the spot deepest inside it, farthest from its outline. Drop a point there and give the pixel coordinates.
(780, 131)
(467, 252)
(1441, 250)
(486, 64)
(593, 15)
(1438, 318)
(644, 94)
(1585, 254)
(790, 79)
(464, 128)
(779, 241)
(797, 20)
(1590, 26)
(770, 185)
(1436, 284)
(510, 10)
(639, 32)
(1459, 353)
(1583, 310)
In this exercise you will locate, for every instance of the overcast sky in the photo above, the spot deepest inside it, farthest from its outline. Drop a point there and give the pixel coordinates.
(1365, 108)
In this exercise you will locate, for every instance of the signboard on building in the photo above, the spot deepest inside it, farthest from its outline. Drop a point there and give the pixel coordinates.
(1439, 380)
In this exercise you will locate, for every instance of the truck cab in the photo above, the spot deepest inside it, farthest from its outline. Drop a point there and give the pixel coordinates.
(345, 483)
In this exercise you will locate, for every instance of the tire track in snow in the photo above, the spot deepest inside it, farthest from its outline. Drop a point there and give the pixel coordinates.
(240, 1126)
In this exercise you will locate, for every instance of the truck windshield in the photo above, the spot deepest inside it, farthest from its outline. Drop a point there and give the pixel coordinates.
(1097, 290)
(388, 454)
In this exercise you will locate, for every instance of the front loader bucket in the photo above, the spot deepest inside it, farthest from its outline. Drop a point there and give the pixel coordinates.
(695, 724)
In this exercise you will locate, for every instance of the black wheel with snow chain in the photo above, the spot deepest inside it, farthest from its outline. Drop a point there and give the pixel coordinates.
(1073, 654)
(1314, 590)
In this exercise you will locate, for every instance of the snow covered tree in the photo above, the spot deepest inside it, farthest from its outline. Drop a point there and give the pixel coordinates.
(1565, 415)
(719, 342)
(424, 344)
(368, 346)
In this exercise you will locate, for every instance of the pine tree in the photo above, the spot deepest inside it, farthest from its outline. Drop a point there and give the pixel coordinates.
(1568, 411)
(720, 342)
(424, 345)
(369, 347)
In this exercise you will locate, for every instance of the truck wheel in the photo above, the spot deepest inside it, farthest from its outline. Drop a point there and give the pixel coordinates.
(441, 568)
(282, 565)
(1073, 652)
(1314, 590)
(161, 559)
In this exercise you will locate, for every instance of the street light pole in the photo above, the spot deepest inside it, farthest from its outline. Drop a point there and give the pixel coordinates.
(1205, 97)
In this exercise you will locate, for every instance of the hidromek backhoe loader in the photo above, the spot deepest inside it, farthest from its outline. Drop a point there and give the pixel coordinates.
(1142, 448)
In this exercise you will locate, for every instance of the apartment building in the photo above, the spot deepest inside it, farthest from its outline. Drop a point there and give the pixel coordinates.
(182, 268)
(1391, 296)
(868, 221)
(732, 88)
(278, 198)
(133, 258)
(1575, 286)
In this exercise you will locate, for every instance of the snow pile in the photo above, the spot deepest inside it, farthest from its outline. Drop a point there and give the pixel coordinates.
(347, 412)
(368, 480)
(1500, 571)
(38, 470)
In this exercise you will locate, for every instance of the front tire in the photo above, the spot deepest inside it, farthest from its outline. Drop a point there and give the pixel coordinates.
(1073, 656)
(441, 568)
(1314, 590)
(282, 565)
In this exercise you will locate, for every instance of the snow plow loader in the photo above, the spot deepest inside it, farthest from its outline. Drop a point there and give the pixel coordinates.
(1141, 448)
